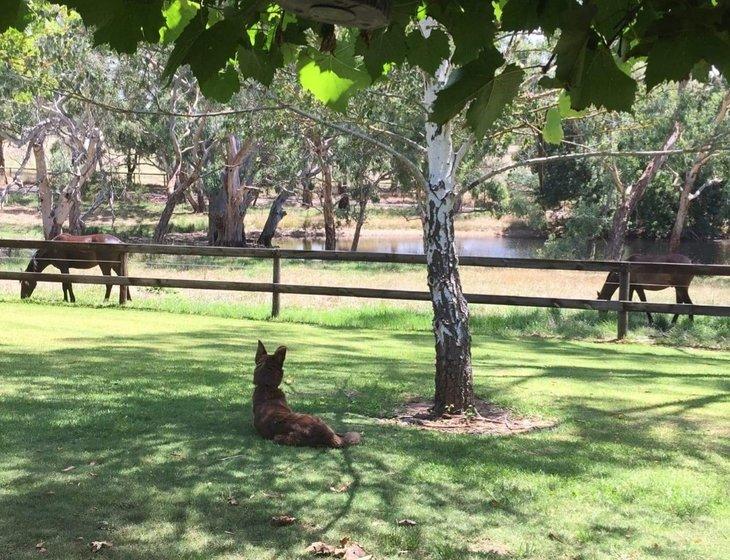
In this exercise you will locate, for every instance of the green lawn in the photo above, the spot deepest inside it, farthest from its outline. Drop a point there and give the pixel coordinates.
(153, 411)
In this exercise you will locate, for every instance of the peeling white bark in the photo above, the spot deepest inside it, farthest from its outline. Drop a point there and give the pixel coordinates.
(454, 385)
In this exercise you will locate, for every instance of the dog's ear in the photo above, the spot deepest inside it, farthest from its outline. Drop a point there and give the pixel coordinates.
(280, 354)
(260, 352)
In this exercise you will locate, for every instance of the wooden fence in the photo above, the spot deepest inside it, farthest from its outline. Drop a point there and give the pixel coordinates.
(622, 307)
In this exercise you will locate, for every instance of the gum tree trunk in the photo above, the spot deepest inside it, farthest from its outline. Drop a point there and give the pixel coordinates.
(454, 380)
(238, 197)
(328, 209)
(276, 214)
(3, 174)
(633, 194)
(361, 214)
(690, 179)
(45, 196)
(175, 195)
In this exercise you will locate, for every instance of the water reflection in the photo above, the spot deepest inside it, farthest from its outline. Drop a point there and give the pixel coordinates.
(709, 252)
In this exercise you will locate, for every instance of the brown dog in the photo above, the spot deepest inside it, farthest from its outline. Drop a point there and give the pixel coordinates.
(272, 417)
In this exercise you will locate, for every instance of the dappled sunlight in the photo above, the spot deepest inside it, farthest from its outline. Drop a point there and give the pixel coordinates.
(155, 420)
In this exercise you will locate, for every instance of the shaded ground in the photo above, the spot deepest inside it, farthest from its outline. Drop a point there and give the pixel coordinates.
(153, 412)
(485, 419)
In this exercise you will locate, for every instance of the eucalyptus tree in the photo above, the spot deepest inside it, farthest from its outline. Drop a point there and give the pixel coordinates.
(459, 45)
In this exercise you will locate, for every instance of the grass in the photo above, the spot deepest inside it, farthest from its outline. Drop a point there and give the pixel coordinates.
(153, 411)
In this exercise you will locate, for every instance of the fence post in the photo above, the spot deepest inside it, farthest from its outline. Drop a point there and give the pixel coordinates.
(623, 295)
(275, 302)
(123, 271)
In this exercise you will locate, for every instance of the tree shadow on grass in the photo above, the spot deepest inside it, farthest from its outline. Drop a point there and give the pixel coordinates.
(166, 418)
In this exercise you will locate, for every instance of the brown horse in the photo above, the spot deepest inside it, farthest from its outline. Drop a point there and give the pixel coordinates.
(647, 279)
(100, 252)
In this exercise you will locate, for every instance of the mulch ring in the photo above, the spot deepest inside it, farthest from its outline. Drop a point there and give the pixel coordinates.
(489, 419)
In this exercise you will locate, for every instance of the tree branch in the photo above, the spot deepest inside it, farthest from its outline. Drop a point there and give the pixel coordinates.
(412, 167)
(582, 155)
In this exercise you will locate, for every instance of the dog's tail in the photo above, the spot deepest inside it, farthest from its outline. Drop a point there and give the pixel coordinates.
(348, 438)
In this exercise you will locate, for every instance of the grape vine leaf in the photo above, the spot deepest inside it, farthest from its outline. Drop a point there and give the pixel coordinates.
(332, 77)
(552, 132)
(118, 24)
(528, 15)
(385, 46)
(177, 15)
(13, 14)
(465, 84)
(492, 100)
(222, 85)
(428, 53)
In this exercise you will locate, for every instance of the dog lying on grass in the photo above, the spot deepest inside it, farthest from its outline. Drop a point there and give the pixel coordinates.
(272, 417)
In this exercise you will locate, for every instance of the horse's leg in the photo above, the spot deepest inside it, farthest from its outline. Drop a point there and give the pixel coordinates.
(68, 292)
(642, 297)
(680, 299)
(106, 270)
(118, 270)
(687, 299)
(683, 295)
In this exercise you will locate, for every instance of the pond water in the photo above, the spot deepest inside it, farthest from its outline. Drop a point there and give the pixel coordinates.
(708, 252)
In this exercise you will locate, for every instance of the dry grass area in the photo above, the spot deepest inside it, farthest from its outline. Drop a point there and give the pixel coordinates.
(22, 219)
(499, 281)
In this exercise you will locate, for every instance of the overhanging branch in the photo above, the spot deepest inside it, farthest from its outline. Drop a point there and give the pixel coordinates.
(582, 155)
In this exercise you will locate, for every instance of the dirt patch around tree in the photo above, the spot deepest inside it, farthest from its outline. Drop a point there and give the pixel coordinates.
(487, 419)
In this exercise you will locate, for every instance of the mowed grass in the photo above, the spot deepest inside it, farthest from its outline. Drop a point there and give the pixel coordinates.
(153, 411)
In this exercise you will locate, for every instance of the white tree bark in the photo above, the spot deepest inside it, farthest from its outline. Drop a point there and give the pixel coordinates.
(454, 382)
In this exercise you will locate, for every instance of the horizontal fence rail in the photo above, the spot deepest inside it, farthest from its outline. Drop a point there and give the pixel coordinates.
(624, 269)
(385, 258)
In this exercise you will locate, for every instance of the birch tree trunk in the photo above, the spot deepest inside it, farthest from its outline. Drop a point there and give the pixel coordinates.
(633, 194)
(690, 179)
(454, 382)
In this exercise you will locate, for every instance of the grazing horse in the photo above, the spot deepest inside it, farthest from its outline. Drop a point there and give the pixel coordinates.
(646, 279)
(100, 252)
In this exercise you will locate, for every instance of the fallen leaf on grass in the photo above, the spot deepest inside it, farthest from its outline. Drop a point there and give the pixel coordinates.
(282, 520)
(68, 469)
(96, 546)
(344, 487)
(347, 550)
(407, 523)
(321, 549)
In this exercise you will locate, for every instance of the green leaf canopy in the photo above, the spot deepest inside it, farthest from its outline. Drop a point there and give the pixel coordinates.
(597, 41)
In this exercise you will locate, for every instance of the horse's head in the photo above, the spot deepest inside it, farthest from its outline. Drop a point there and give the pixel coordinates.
(609, 287)
(27, 286)
(269, 369)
